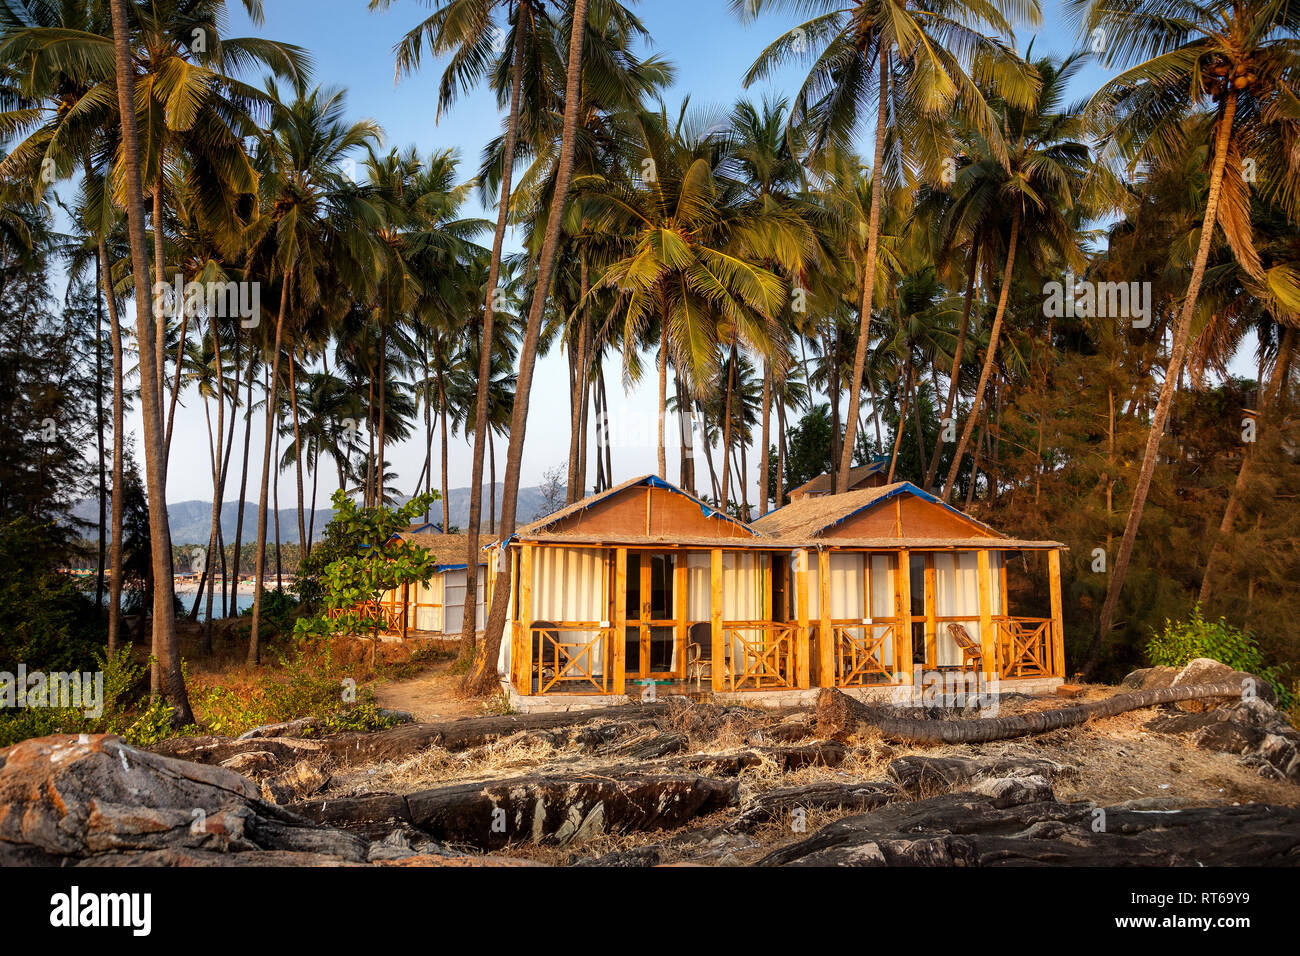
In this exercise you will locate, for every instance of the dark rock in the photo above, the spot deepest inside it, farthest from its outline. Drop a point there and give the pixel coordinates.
(776, 804)
(967, 829)
(68, 798)
(639, 856)
(922, 776)
(1203, 670)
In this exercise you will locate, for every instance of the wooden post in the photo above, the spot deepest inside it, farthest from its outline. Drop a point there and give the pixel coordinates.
(903, 592)
(988, 638)
(801, 607)
(406, 605)
(825, 633)
(681, 598)
(526, 613)
(931, 617)
(1058, 629)
(715, 615)
(618, 646)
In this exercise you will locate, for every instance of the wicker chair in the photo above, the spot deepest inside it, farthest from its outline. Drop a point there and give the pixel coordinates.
(699, 653)
(971, 652)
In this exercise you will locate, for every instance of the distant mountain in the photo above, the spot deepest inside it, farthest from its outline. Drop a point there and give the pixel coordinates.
(191, 521)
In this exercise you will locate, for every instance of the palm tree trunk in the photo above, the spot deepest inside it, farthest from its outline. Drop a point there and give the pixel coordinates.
(442, 413)
(868, 279)
(663, 399)
(1177, 354)
(1281, 368)
(990, 356)
(254, 637)
(726, 429)
(954, 378)
(485, 670)
(482, 427)
(383, 413)
(243, 486)
(99, 437)
(167, 681)
(118, 502)
(902, 418)
(303, 544)
(765, 437)
(780, 454)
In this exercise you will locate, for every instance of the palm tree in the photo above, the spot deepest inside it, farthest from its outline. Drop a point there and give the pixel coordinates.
(484, 674)
(314, 220)
(1234, 62)
(168, 681)
(1040, 183)
(694, 252)
(916, 60)
(467, 29)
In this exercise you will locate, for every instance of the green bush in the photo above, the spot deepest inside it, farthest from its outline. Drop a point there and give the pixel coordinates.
(139, 723)
(1181, 642)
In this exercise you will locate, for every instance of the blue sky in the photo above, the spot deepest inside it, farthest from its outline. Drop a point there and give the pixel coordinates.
(352, 47)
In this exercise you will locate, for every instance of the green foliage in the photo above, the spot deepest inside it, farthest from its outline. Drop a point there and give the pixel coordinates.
(310, 683)
(369, 563)
(46, 621)
(1180, 642)
(279, 610)
(136, 722)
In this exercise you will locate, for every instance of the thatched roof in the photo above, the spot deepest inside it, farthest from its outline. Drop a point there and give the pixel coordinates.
(805, 520)
(806, 517)
(448, 549)
(821, 485)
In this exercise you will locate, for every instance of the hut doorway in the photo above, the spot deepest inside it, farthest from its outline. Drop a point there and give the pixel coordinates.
(651, 635)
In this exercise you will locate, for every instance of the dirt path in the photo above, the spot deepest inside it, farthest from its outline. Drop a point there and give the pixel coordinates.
(429, 695)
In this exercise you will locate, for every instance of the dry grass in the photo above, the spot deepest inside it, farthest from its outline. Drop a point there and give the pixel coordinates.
(1107, 762)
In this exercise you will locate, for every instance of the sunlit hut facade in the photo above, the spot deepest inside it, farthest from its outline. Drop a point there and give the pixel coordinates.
(646, 583)
(436, 608)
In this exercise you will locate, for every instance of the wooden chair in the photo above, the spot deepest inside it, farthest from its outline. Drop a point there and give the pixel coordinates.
(699, 653)
(544, 671)
(970, 650)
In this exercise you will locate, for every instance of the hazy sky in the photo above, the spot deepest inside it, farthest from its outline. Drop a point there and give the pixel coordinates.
(352, 47)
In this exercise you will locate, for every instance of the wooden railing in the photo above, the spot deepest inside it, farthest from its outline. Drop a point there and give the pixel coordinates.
(762, 654)
(860, 654)
(558, 661)
(1024, 647)
(390, 618)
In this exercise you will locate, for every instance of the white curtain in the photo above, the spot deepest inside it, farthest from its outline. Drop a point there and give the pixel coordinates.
(742, 587)
(957, 594)
(848, 599)
(427, 618)
(571, 584)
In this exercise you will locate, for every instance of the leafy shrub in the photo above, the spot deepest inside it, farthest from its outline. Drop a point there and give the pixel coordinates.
(138, 722)
(310, 683)
(1181, 642)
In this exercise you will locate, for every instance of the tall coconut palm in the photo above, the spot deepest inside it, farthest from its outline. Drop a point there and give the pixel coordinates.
(314, 219)
(1032, 197)
(484, 673)
(920, 62)
(479, 46)
(1234, 63)
(168, 680)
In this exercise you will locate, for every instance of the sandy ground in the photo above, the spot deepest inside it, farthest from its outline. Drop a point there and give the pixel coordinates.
(430, 695)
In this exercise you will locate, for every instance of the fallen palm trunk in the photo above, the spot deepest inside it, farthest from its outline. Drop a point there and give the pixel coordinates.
(395, 742)
(558, 810)
(838, 713)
